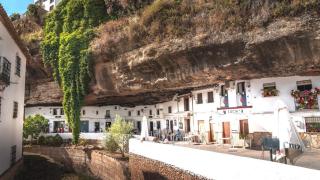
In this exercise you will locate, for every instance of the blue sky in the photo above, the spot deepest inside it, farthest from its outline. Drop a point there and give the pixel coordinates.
(19, 6)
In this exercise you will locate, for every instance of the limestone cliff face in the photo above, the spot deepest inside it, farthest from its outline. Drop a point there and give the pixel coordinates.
(155, 70)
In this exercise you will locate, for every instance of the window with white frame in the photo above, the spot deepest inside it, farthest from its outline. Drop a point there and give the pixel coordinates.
(305, 85)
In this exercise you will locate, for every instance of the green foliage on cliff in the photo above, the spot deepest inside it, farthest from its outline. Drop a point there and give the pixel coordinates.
(68, 32)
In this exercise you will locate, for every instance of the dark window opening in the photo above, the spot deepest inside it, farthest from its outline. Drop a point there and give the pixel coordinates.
(169, 109)
(210, 97)
(108, 114)
(186, 104)
(15, 109)
(18, 66)
(199, 98)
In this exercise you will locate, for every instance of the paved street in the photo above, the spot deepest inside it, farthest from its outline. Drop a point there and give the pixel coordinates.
(309, 159)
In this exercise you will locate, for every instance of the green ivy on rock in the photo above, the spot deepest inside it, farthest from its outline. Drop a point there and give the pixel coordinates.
(68, 31)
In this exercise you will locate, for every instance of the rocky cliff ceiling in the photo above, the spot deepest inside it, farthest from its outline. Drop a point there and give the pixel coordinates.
(155, 71)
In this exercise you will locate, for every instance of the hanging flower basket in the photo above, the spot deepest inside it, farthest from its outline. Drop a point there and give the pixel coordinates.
(306, 99)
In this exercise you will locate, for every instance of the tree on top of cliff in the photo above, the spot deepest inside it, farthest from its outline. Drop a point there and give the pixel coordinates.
(67, 34)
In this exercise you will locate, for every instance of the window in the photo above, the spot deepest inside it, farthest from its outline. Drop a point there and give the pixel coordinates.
(199, 98)
(241, 88)
(5, 69)
(55, 112)
(158, 125)
(210, 97)
(304, 85)
(186, 104)
(83, 112)
(150, 112)
(15, 109)
(97, 112)
(158, 112)
(169, 109)
(223, 91)
(13, 154)
(18, 66)
(138, 113)
(61, 111)
(129, 113)
(269, 89)
(312, 124)
(167, 124)
(108, 114)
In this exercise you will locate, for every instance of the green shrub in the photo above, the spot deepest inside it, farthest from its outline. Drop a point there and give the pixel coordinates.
(49, 141)
(110, 144)
(120, 132)
(41, 140)
(57, 140)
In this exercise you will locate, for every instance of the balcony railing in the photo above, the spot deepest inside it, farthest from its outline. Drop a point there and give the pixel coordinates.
(5, 69)
(307, 99)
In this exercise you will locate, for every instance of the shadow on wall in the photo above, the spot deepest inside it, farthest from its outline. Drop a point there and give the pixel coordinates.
(153, 175)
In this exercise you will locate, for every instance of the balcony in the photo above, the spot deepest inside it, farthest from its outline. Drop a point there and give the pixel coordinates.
(307, 99)
(5, 68)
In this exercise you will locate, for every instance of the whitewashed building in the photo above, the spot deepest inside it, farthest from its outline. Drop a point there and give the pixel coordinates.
(222, 113)
(48, 5)
(13, 55)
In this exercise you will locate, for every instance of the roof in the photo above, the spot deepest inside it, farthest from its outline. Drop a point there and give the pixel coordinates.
(9, 26)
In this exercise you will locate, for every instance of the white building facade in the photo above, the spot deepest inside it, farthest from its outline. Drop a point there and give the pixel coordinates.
(48, 5)
(12, 84)
(223, 113)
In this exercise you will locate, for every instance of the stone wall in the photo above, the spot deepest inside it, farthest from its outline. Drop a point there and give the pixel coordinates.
(311, 139)
(95, 163)
(144, 169)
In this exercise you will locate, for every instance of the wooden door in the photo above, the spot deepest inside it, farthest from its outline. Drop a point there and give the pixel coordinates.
(211, 137)
(187, 125)
(244, 128)
(226, 132)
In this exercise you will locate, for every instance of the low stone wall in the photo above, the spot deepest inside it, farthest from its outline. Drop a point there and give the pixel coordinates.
(83, 161)
(311, 139)
(144, 169)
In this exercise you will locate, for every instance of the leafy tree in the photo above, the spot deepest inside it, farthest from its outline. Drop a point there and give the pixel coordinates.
(34, 125)
(119, 134)
(68, 31)
(15, 16)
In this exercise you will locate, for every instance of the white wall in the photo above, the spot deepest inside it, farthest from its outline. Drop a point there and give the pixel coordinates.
(219, 166)
(47, 3)
(11, 128)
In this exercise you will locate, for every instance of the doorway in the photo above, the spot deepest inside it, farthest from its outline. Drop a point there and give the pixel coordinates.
(201, 127)
(96, 127)
(151, 128)
(187, 125)
(211, 137)
(171, 126)
(244, 128)
(226, 132)
(84, 126)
